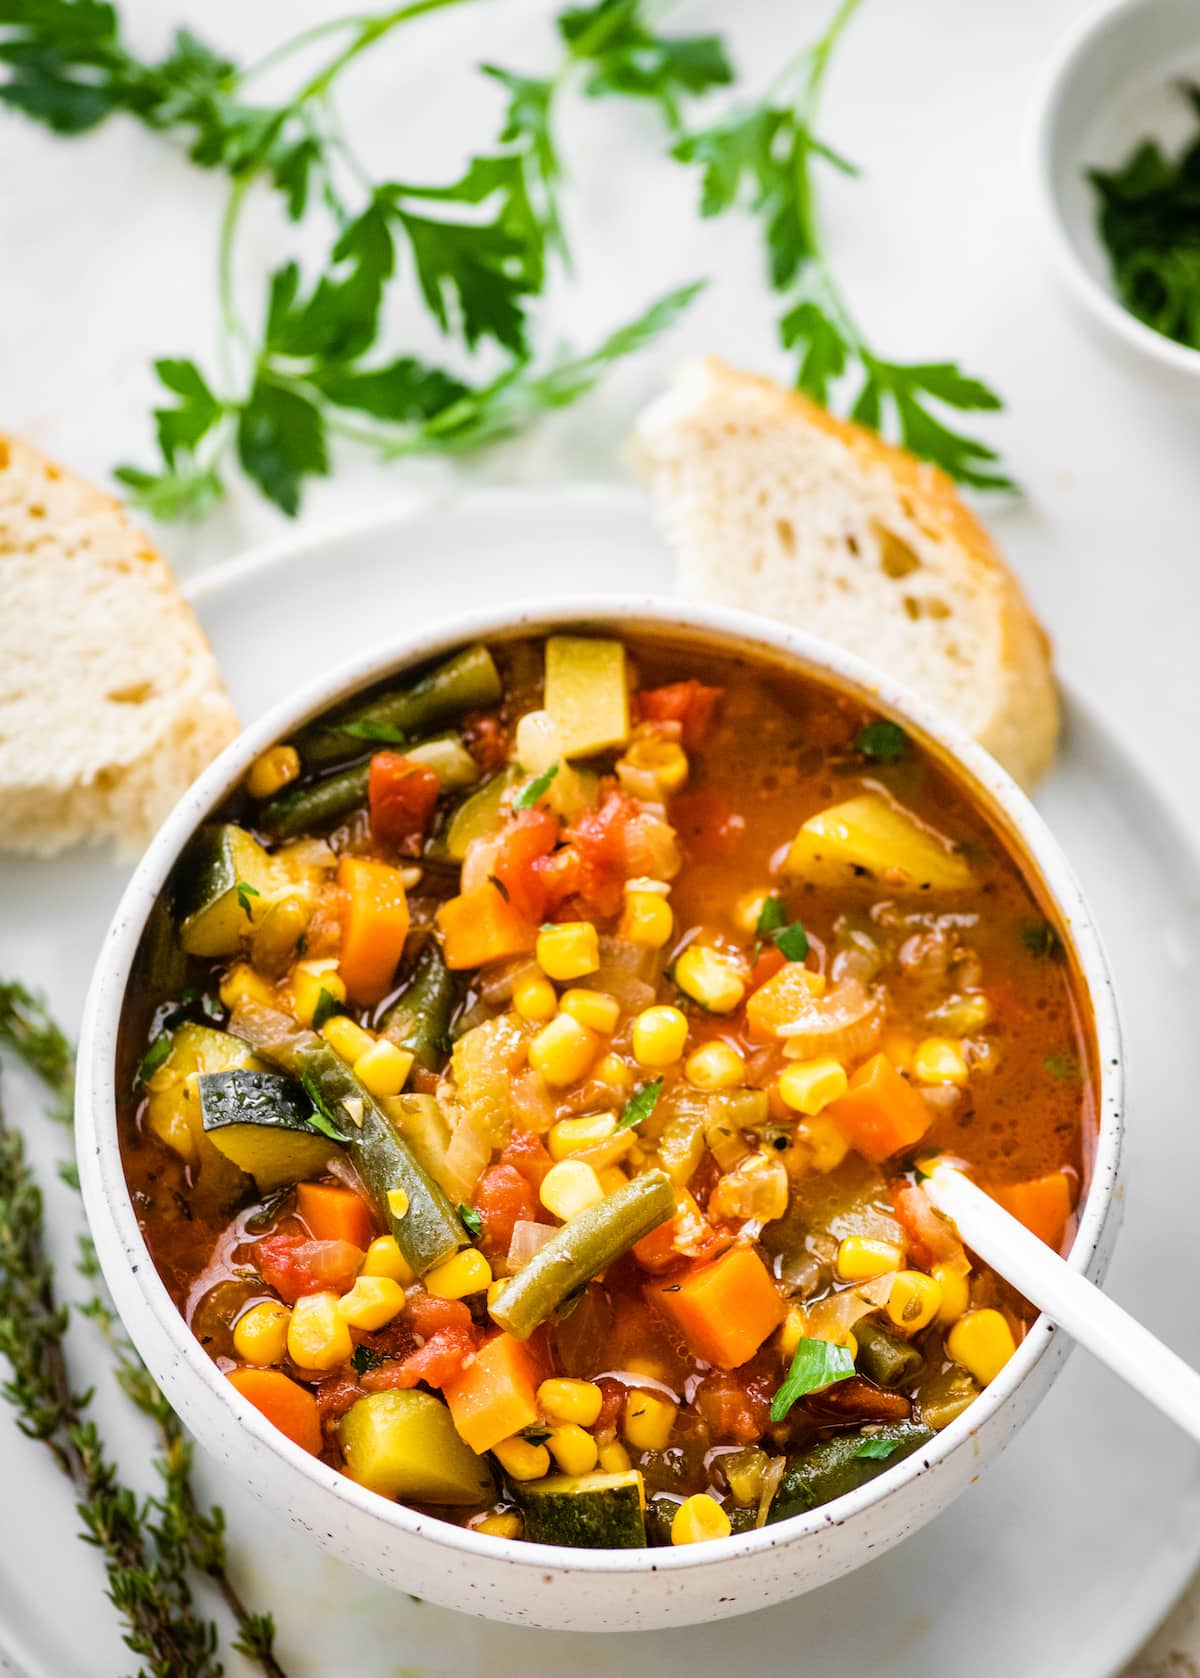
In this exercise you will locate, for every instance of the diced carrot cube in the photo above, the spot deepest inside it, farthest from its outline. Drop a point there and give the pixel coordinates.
(374, 926)
(496, 1394)
(284, 1402)
(1043, 1205)
(480, 926)
(881, 1112)
(724, 1310)
(333, 1213)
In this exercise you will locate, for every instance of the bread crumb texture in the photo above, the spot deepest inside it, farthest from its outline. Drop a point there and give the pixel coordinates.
(773, 505)
(110, 699)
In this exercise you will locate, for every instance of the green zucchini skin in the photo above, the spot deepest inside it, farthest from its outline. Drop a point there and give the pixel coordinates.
(588, 1512)
(430, 1229)
(585, 1245)
(211, 917)
(465, 682)
(419, 1019)
(303, 809)
(834, 1467)
(262, 1122)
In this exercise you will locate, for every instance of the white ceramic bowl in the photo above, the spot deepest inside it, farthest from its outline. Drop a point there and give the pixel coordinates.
(1110, 84)
(531, 1584)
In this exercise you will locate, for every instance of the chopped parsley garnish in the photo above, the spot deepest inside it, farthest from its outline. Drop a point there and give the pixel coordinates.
(876, 1448)
(365, 1358)
(535, 789)
(245, 892)
(1041, 940)
(154, 1057)
(327, 1006)
(321, 1118)
(494, 880)
(791, 941)
(771, 916)
(536, 1433)
(1064, 1066)
(472, 1222)
(380, 733)
(881, 741)
(817, 1364)
(640, 1104)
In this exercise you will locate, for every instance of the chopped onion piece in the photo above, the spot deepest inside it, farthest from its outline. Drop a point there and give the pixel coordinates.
(528, 1239)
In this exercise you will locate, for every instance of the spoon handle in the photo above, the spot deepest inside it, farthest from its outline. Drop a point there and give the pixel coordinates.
(1069, 1299)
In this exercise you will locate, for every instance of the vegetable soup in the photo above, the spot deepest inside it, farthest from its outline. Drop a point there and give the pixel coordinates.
(529, 1073)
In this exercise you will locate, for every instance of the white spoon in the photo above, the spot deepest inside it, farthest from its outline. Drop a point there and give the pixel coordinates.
(1067, 1298)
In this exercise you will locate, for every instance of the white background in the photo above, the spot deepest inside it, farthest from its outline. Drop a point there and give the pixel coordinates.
(108, 254)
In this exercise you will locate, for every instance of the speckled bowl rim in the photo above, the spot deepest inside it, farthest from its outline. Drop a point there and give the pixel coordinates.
(107, 1194)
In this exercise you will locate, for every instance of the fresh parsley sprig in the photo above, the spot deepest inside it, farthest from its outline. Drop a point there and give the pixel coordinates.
(763, 158)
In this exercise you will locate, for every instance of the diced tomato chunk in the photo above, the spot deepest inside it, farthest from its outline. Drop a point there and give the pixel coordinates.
(335, 1396)
(931, 1239)
(601, 839)
(427, 1314)
(294, 1265)
(612, 1400)
(530, 835)
(525, 1151)
(503, 1197)
(736, 1408)
(486, 738)
(769, 962)
(689, 703)
(402, 796)
(440, 1360)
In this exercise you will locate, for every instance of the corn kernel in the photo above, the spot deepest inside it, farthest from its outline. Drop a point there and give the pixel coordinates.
(962, 1015)
(384, 1068)
(611, 1177)
(309, 979)
(243, 984)
(699, 1518)
(647, 1420)
(914, 1300)
(593, 1008)
(861, 1258)
(506, 1523)
(568, 950)
(952, 1278)
(521, 1460)
(260, 1334)
(384, 1258)
(748, 910)
(653, 762)
(570, 1186)
(563, 1051)
(826, 1145)
(899, 1047)
(659, 1036)
(272, 770)
(807, 1086)
(397, 1201)
(613, 1071)
(346, 1038)
(573, 1449)
(466, 1273)
(939, 1060)
(371, 1302)
(715, 1066)
(569, 1136)
(562, 1399)
(983, 1343)
(793, 1330)
(495, 1289)
(710, 978)
(318, 1337)
(646, 920)
(614, 1458)
(535, 998)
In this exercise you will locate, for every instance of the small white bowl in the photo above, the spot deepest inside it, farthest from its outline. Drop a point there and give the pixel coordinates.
(533, 1584)
(1111, 84)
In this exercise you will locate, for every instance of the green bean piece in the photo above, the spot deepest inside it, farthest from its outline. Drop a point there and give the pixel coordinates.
(308, 807)
(419, 1019)
(418, 1212)
(464, 683)
(836, 1466)
(585, 1245)
(885, 1358)
(944, 1394)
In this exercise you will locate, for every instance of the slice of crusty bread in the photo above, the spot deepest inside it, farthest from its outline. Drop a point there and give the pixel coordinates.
(110, 699)
(773, 505)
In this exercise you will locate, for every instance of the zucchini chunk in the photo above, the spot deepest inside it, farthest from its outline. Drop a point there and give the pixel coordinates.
(229, 884)
(586, 1511)
(872, 833)
(477, 816)
(173, 1107)
(261, 1121)
(587, 693)
(836, 1466)
(404, 1444)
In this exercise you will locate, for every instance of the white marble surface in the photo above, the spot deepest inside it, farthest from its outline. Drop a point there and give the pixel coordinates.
(108, 259)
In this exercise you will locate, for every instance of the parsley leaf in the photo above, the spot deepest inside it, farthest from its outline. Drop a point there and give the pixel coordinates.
(816, 1364)
(245, 892)
(791, 941)
(365, 1358)
(1041, 940)
(881, 741)
(155, 1055)
(535, 789)
(640, 1104)
(327, 1006)
(876, 1448)
(627, 57)
(471, 1220)
(771, 916)
(321, 1118)
(281, 441)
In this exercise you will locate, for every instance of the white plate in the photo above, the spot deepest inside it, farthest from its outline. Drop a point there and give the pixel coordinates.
(1057, 1566)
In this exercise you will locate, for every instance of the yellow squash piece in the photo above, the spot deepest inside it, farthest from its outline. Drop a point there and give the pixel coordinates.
(587, 693)
(872, 833)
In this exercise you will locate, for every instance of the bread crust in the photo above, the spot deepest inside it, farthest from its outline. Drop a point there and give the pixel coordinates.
(1022, 727)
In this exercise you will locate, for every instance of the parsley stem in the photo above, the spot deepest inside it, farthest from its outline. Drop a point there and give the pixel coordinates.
(371, 30)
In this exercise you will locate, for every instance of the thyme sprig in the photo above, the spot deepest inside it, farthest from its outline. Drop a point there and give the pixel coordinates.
(151, 1547)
